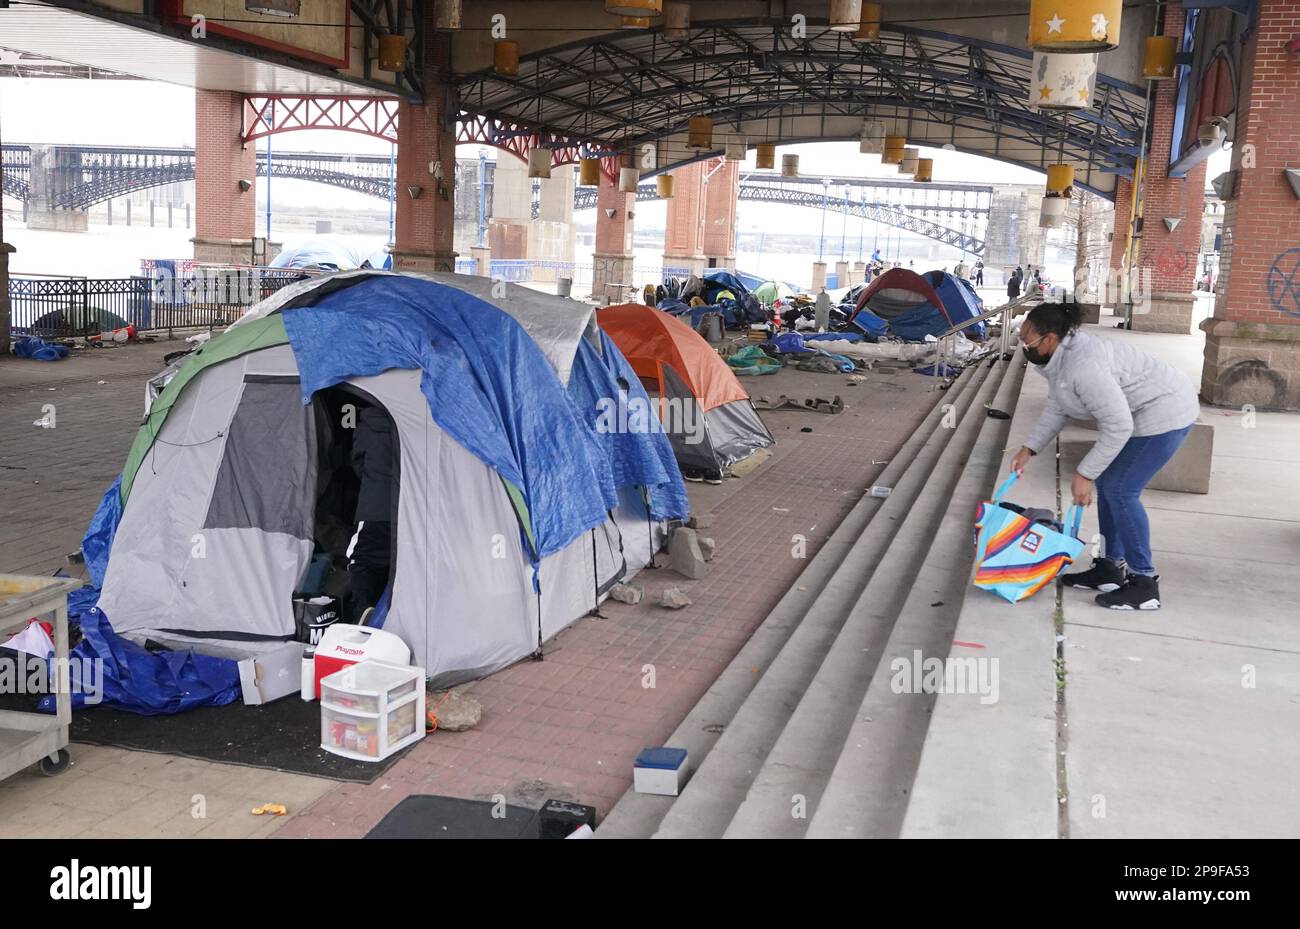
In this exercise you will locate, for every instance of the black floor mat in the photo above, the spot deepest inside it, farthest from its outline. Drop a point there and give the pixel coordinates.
(429, 817)
(284, 736)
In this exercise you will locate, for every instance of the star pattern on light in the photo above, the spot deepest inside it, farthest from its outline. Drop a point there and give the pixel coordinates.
(1100, 25)
(1055, 23)
(1044, 93)
(1083, 94)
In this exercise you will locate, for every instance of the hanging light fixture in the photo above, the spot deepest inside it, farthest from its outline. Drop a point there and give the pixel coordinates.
(392, 53)
(1063, 82)
(765, 156)
(1074, 25)
(789, 165)
(589, 172)
(665, 183)
(637, 22)
(634, 7)
(677, 20)
(1060, 180)
(911, 156)
(1054, 206)
(736, 148)
(505, 58)
(893, 152)
(1158, 57)
(846, 15)
(699, 133)
(539, 162)
(869, 25)
(628, 179)
(925, 170)
(872, 141)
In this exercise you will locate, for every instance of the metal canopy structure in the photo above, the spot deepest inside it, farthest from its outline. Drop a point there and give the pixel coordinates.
(623, 90)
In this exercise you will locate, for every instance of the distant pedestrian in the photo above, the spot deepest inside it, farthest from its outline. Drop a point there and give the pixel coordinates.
(979, 274)
(1013, 285)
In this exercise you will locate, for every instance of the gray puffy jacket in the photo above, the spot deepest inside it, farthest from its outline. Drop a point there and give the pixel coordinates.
(1128, 392)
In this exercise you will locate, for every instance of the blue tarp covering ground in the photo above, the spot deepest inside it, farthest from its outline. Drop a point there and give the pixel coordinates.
(330, 252)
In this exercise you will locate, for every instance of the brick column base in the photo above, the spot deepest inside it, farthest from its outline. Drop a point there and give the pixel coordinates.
(691, 264)
(611, 279)
(419, 261)
(1255, 363)
(819, 276)
(1168, 312)
(720, 261)
(223, 251)
(482, 255)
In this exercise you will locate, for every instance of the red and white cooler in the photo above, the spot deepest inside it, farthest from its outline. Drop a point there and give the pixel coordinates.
(344, 645)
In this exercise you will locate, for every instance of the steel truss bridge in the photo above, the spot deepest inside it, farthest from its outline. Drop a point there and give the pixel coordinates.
(955, 214)
(86, 175)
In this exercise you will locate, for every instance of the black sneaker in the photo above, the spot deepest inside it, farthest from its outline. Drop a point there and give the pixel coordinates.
(1104, 575)
(693, 474)
(1140, 592)
(713, 477)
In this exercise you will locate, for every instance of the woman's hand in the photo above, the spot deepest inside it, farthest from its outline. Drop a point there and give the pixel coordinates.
(1081, 487)
(1022, 458)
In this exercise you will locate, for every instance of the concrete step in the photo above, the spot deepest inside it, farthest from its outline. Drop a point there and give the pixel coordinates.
(639, 815)
(869, 789)
(788, 783)
(720, 784)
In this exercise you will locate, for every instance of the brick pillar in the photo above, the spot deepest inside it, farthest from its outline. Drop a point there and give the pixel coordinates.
(684, 227)
(1120, 228)
(1252, 343)
(613, 260)
(225, 217)
(1168, 260)
(722, 191)
(425, 224)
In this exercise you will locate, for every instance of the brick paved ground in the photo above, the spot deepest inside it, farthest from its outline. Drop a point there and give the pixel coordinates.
(568, 726)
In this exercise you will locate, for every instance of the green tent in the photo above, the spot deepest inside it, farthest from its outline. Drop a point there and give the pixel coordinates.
(771, 291)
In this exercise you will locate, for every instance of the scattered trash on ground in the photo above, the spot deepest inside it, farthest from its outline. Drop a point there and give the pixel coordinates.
(273, 809)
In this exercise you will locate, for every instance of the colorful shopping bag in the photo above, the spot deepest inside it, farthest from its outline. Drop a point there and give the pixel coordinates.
(1016, 557)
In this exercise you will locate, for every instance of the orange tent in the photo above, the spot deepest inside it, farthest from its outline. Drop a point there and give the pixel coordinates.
(675, 362)
(651, 338)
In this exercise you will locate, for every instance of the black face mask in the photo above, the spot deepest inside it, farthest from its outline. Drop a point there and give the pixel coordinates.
(1034, 356)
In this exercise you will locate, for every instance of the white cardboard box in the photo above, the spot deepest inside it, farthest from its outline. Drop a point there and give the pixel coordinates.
(272, 674)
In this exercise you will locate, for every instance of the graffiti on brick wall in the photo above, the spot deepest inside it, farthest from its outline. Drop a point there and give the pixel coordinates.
(1284, 282)
(1168, 262)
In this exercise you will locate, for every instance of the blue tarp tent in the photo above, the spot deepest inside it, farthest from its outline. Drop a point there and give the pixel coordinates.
(960, 300)
(334, 253)
(524, 491)
(734, 279)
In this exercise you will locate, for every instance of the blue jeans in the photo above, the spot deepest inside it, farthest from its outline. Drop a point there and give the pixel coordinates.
(1123, 519)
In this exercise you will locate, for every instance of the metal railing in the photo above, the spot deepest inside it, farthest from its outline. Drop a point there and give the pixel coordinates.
(169, 296)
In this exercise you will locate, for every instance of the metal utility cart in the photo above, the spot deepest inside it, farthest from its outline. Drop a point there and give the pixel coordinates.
(31, 738)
